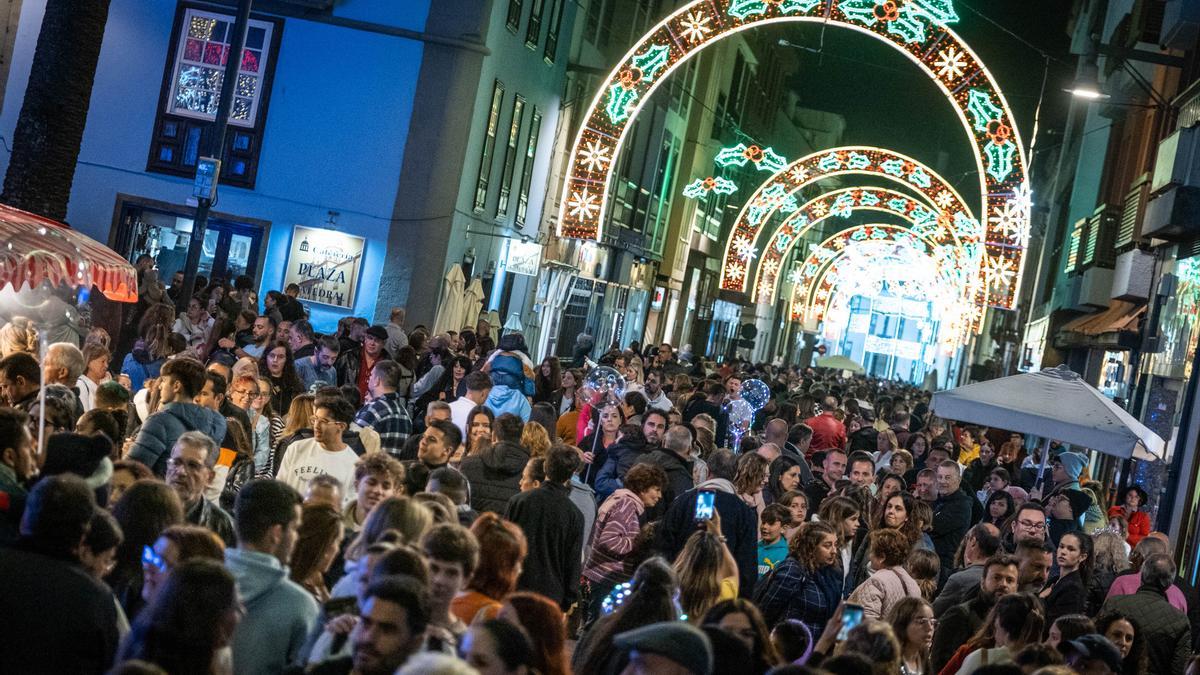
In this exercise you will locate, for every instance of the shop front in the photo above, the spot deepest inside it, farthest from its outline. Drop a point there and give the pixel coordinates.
(232, 246)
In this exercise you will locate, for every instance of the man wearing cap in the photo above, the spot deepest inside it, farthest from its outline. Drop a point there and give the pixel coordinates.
(667, 648)
(1092, 654)
(1064, 472)
(354, 365)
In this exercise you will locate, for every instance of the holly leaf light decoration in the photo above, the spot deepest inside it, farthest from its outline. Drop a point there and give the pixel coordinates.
(909, 20)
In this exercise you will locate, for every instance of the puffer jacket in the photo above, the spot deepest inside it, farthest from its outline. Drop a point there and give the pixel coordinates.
(495, 475)
(152, 446)
(882, 590)
(505, 399)
(621, 456)
(140, 365)
(512, 369)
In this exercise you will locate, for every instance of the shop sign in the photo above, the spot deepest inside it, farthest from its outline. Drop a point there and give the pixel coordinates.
(905, 349)
(325, 265)
(523, 257)
(660, 294)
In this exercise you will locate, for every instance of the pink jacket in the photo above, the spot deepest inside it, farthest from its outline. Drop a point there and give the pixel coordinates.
(613, 535)
(882, 590)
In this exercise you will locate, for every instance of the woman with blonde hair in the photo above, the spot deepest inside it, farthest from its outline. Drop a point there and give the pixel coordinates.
(297, 426)
(753, 472)
(535, 439)
(403, 514)
(706, 570)
(1110, 559)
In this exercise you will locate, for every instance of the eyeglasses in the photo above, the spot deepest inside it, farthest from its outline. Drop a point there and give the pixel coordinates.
(189, 465)
(152, 559)
(1033, 525)
(248, 393)
(932, 623)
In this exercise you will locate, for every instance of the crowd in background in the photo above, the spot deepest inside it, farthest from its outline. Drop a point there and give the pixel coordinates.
(224, 490)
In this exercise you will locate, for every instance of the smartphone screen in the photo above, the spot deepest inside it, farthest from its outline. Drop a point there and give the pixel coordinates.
(852, 615)
(704, 505)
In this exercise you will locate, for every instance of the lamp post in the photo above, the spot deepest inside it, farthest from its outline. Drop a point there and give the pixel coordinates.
(216, 148)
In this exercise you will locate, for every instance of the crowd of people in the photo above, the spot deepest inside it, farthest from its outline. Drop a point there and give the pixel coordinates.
(241, 494)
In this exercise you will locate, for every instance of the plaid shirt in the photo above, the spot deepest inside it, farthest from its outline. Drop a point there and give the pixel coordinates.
(389, 418)
(791, 592)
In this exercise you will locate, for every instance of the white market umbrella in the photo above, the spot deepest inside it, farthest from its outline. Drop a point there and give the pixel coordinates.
(1054, 404)
(472, 304)
(839, 362)
(450, 307)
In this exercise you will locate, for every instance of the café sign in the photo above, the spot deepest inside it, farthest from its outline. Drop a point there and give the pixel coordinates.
(325, 264)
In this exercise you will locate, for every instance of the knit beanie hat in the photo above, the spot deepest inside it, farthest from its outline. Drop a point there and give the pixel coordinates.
(1072, 464)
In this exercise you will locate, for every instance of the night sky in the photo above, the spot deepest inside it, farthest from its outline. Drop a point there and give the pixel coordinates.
(887, 101)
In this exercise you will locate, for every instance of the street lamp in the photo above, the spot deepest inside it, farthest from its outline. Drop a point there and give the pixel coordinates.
(1087, 84)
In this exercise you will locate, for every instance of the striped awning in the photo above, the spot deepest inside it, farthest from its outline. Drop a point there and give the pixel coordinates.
(34, 250)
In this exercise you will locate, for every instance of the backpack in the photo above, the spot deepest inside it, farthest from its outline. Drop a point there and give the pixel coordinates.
(240, 473)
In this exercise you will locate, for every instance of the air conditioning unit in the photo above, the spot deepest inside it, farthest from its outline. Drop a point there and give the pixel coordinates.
(1178, 162)
(1181, 24)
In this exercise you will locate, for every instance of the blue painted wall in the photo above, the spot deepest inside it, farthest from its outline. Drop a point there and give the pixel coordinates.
(334, 137)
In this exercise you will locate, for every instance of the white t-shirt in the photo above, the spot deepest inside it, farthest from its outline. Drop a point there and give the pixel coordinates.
(460, 410)
(305, 459)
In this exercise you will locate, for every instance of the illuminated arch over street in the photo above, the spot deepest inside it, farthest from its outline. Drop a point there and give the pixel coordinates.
(916, 28)
(924, 220)
(777, 194)
(878, 254)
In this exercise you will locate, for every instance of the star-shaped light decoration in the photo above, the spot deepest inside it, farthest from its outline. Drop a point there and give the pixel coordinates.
(594, 156)
(696, 26)
(582, 204)
(744, 247)
(951, 63)
(1000, 272)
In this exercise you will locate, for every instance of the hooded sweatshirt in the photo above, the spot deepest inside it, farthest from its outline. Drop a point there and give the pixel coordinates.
(495, 475)
(505, 399)
(279, 614)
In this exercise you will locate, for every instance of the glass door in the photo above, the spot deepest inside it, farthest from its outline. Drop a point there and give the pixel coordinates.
(229, 249)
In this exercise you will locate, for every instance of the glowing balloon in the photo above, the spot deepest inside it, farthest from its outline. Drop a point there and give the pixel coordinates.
(756, 393)
(605, 380)
(741, 415)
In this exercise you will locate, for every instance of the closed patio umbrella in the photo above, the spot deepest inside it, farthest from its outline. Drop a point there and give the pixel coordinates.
(450, 307)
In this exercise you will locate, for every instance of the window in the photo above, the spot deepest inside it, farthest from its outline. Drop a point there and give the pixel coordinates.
(514, 15)
(489, 147)
(591, 23)
(535, 129)
(534, 32)
(555, 25)
(510, 155)
(191, 92)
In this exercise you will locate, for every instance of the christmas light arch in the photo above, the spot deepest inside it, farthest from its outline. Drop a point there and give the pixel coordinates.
(924, 219)
(777, 194)
(814, 290)
(909, 272)
(916, 28)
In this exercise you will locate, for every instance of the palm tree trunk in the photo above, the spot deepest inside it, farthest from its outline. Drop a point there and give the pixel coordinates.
(54, 113)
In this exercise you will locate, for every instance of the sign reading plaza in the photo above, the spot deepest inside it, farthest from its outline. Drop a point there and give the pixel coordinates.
(325, 264)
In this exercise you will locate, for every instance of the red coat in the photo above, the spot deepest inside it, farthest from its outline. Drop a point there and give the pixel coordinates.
(1139, 524)
(828, 432)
